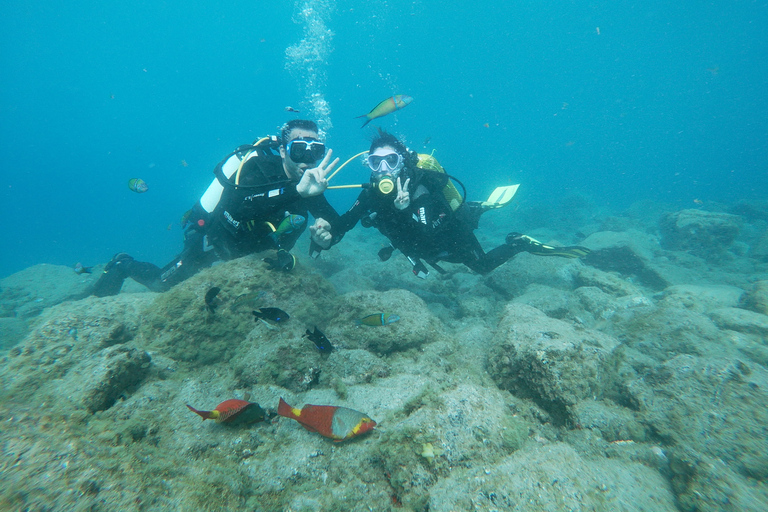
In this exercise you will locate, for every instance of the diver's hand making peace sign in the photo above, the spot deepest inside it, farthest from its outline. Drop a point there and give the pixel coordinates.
(313, 181)
(403, 198)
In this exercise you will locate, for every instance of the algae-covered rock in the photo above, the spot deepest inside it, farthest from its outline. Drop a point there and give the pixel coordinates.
(511, 279)
(701, 482)
(553, 302)
(68, 334)
(614, 423)
(757, 298)
(180, 325)
(630, 253)
(97, 382)
(27, 293)
(705, 234)
(547, 359)
(553, 477)
(715, 407)
(279, 360)
(741, 320)
(417, 326)
(12, 331)
(701, 298)
(607, 282)
(441, 429)
(354, 366)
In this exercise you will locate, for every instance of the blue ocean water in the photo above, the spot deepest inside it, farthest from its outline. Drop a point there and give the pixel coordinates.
(616, 101)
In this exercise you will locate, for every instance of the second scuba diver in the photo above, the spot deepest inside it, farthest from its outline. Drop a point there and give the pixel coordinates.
(258, 201)
(407, 204)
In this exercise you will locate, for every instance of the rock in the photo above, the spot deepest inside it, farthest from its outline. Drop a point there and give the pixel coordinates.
(355, 366)
(553, 477)
(279, 360)
(12, 331)
(740, 320)
(701, 298)
(715, 407)
(705, 234)
(701, 482)
(757, 298)
(27, 293)
(512, 278)
(548, 360)
(553, 302)
(630, 253)
(68, 334)
(614, 423)
(97, 382)
(417, 325)
(445, 430)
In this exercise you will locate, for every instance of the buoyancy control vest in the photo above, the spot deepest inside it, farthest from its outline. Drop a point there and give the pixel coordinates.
(452, 195)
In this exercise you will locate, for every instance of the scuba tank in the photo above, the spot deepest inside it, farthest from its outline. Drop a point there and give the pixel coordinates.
(232, 165)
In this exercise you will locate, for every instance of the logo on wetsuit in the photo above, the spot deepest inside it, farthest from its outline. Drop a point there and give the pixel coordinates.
(231, 219)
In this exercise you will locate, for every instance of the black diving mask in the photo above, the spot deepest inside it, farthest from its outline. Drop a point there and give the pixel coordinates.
(305, 151)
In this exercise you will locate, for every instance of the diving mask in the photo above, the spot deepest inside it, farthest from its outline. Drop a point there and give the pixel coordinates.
(305, 151)
(390, 162)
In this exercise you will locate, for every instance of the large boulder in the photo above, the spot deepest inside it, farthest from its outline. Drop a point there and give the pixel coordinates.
(741, 320)
(631, 253)
(547, 359)
(756, 299)
(705, 234)
(553, 477)
(98, 382)
(715, 407)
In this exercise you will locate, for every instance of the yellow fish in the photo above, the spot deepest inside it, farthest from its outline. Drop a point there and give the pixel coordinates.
(387, 106)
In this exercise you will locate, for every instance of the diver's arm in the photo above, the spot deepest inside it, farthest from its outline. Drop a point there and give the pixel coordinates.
(349, 219)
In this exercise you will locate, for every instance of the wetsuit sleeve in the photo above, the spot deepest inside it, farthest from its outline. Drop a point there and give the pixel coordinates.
(349, 219)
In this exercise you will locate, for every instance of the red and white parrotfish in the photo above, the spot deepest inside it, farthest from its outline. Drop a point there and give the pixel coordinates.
(387, 106)
(337, 423)
(138, 185)
(233, 411)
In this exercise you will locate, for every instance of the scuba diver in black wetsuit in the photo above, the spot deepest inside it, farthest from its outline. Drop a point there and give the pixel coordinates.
(251, 206)
(412, 202)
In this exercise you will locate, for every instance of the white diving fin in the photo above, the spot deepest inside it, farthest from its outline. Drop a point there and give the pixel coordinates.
(500, 197)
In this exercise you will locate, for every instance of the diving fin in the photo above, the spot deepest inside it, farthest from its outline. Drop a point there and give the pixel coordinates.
(525, 243)
(500, 197)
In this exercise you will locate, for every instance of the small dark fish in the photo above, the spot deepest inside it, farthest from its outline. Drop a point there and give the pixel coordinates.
(210, 297)
(80, 269)
(426, 141)
(272, 314)
(320, 341)
(138, 185)
(291, 109)
(378, 319)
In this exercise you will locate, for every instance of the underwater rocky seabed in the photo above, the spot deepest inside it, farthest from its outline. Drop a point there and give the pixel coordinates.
(633, 380)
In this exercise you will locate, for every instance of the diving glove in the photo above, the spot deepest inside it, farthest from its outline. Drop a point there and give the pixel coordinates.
(284, 261)
(524, 243)
(386, 252)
